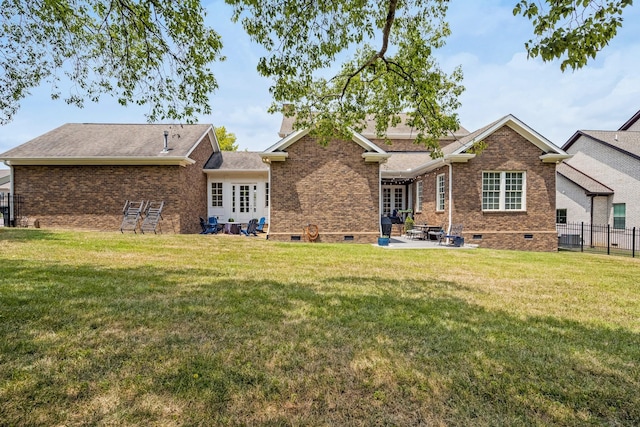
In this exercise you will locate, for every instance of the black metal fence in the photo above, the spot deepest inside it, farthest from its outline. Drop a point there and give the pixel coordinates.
(585, 237)
(11, 209)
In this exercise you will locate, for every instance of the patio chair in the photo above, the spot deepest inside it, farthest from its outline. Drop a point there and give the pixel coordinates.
(131, 215)
(455, 234)
(436, 233)
(251, 228)
(260, 227)
(206, 227)
(213, 221)
(152, 215)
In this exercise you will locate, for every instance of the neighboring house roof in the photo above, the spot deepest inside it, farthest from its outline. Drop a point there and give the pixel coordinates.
(401, 131)
(92, 143)
(226, 161)
(627, 142)
(581, 179)
(631, 121)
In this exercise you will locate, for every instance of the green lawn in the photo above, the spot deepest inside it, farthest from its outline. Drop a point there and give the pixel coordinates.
(111, 329)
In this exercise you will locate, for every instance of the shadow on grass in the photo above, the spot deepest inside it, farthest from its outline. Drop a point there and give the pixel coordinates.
(25, 234)
(144, 345)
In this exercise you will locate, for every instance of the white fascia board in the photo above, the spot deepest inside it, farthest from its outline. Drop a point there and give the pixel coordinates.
(287, 141)
(106, 161)
(212, 139)
(554, 157)
(278, 156)
(366, 144)
(375, 157)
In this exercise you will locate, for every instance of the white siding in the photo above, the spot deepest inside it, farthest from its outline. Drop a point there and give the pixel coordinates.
(612, 168)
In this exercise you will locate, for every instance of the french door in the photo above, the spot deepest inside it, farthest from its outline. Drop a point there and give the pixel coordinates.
(392, 199)
(244, 199)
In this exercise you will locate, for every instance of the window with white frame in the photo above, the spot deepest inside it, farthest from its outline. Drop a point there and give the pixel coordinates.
(503, 191)
(418, 207)
(440, 192)
(216, 194)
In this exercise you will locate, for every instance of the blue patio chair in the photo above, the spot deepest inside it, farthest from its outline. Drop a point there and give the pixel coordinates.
(206, 227)
(213, 221)
(251, 228)
(260, 226)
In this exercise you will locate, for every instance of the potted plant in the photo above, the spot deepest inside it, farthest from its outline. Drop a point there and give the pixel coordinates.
(408, 224)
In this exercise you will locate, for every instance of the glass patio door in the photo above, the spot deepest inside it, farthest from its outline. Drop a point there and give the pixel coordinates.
(392, 199)
(244, 201)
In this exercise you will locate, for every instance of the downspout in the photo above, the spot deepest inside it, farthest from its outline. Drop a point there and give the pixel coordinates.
(270, 201)
(380, 199)
(450, 197)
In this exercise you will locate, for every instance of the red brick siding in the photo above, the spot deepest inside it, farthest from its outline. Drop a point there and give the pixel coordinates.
(331, 187)
(506, 151)
(92, 197)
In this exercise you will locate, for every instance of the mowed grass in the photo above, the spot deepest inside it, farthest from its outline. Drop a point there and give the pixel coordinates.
(112, 329)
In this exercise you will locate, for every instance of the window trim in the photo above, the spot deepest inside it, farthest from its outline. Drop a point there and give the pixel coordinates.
(560, 211)
(217, 197)
(622, 218)
(440, 193)
(503, 192)
(419, 189)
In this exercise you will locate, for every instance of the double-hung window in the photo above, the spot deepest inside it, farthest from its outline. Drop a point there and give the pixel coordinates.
(440, 192)
(619, 214)
(503, 191)
(418, 207)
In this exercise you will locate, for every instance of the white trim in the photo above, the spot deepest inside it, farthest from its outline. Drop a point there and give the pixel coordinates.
(212, 138)
(105, 161)
(502, 194)
(438, 197)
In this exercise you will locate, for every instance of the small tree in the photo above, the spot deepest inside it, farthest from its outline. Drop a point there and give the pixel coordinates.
(226, 140)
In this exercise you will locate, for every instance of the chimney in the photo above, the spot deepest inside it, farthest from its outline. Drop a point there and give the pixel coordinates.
(166, 142)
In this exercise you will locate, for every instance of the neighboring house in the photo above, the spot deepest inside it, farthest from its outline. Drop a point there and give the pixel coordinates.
(600, 184)
(504, 196)
(80, 175)
(5, 181)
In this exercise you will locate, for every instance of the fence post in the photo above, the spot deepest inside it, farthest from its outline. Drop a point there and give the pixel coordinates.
(582, 236)
(633, 243)
(608, 239)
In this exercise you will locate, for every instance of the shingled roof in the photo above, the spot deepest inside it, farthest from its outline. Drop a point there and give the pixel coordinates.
(627, 142)
(110, 144)
(581, 179)
(401, 131)
(236, 161)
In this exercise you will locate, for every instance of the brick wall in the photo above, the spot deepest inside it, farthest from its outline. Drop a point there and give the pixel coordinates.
(331, 187)
(533, 229)
(92, 197)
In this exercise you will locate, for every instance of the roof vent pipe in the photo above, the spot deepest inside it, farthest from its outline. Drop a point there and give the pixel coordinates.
(616, 137)
(166, 142)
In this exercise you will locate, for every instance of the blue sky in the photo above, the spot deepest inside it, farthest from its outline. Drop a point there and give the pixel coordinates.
(487, 41)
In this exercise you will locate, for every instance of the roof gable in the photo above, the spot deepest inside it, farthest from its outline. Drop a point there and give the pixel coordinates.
(627, 142)
(458, 151)
(277, 152)
(630, 124)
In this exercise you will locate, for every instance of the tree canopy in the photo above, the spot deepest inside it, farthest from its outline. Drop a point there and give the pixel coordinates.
(153, 53)
(391, 70)
(226, 140)
(572, 31)
(335, 64)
